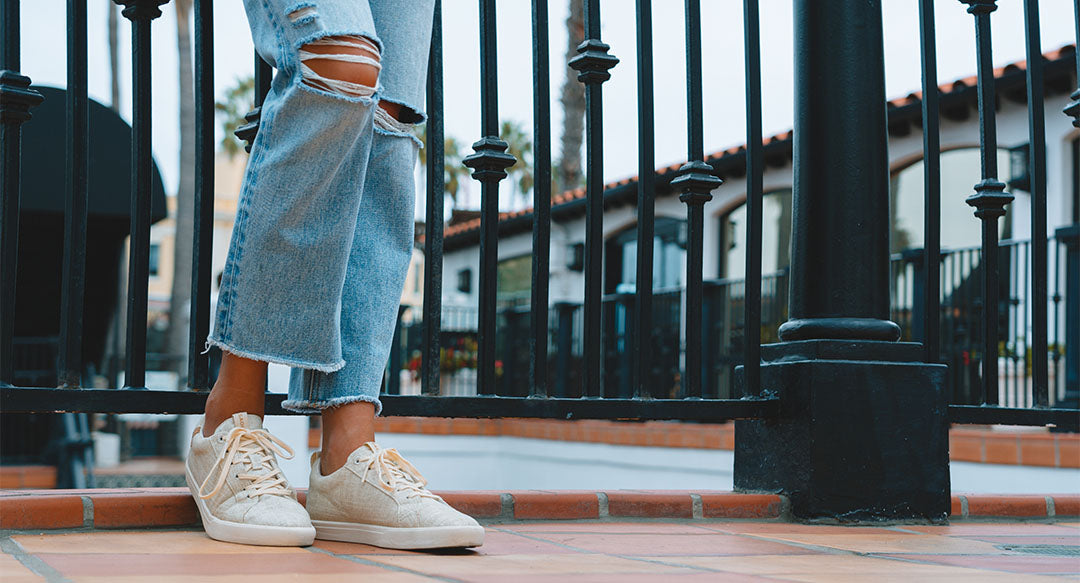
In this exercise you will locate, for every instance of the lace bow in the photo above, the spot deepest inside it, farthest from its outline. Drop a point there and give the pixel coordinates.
(255, 448)
(394, 473)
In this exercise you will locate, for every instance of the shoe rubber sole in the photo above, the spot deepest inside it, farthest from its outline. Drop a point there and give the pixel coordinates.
(389, 537)
(249, 534)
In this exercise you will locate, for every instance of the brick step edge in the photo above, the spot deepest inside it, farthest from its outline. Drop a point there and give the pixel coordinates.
(174, 507)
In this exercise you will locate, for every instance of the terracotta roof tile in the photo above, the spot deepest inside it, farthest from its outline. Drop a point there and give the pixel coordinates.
(909, 99)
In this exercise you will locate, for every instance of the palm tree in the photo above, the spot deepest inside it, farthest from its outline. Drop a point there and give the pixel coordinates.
(176, 338)
(453, 170)
(114, 56)
(568, 173)
(239, 100)
(521, 147)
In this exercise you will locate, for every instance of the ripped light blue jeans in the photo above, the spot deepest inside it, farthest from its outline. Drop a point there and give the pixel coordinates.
(324, 228)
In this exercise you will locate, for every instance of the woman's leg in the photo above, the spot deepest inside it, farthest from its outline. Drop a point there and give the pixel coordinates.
(344, 64)
(383, 243)
(280, 294)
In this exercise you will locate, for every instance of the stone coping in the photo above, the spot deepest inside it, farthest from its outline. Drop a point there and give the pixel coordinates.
(1013, 446)
(174, 507)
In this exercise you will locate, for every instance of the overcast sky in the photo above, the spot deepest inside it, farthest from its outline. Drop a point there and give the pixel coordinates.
(43, 55)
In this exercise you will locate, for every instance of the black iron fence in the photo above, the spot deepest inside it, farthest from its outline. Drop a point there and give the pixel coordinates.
(960, 305)
(621, 372)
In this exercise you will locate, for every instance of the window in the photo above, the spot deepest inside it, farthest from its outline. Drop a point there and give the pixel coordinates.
(464, 281)
(515, 276)
(669, 257)
(960, 171)
(775, 236)
(155, 253)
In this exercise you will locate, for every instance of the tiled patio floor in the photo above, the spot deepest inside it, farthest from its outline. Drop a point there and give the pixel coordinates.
(574, 552)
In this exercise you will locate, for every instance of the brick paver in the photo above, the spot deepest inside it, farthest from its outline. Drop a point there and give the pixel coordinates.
(574, 552)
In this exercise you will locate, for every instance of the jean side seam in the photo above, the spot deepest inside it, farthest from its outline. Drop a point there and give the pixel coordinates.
(266, 123)
(284, 60)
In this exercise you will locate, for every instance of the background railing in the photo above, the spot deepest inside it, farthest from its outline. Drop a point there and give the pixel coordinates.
(682, 370)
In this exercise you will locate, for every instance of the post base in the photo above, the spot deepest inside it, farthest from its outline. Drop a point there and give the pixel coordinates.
(862, 435)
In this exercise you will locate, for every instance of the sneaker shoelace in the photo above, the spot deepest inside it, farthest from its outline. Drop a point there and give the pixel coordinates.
(395, 474)
(255, 448)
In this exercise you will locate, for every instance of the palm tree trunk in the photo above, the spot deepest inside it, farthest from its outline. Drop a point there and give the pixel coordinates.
(176, 340)
(573, 103)
(114, 57)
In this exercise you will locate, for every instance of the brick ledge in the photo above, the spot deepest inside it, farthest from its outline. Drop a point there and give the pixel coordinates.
(172, 507)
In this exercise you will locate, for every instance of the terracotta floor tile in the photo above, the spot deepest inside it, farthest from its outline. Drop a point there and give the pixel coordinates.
(901, 576)
(996, 529)
(342, 548)
(147, 565)
(889, 543)
(1013, 563)
(698, 577)
(11, 567)
(644, 545)
(608, 527)
(515, 565)
(508, 543)
(180, 542)
(786, 565)
(1067, 540)
(384, 577)
(783, 527)
(495, 543)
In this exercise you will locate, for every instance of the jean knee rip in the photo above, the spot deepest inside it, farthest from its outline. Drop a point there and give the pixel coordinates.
(302, 13)
(366, 53)
(387, 124)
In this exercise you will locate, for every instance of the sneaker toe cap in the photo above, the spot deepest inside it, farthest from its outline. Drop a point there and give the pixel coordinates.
(437, 513)
(276, 511)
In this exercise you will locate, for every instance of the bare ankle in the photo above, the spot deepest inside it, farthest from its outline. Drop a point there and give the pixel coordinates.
(240, 388)
(344, 429)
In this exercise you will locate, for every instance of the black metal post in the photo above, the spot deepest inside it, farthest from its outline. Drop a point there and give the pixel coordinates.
(931, 120)
(541, 259)
(433, 217)
(1070, 239)
(863, 432)
(696, 182)
(755, 169)
(263, 76)
(16, 100)
(203, 235)
(592, 65)
(140, 13)
(393, 380)
(646, 194)
(623, 313)
(989, 198)
(1037, 170)
(73, 282)
(565, 347)
(489, 164)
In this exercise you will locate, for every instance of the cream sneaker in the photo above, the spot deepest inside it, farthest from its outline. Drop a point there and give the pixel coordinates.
(241, 493)
(378, 498)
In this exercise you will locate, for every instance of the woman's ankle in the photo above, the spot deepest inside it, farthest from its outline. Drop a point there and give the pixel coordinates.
(344, 429)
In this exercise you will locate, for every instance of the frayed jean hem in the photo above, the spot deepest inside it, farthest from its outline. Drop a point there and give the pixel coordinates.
(274, 359)
(312, 407)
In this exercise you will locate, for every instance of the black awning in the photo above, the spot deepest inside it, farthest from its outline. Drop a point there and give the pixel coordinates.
(44, 161)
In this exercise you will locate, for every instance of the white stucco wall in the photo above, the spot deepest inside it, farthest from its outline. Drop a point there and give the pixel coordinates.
(1012, 123)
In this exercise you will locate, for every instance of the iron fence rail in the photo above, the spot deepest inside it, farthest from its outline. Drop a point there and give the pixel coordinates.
(696, 181)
